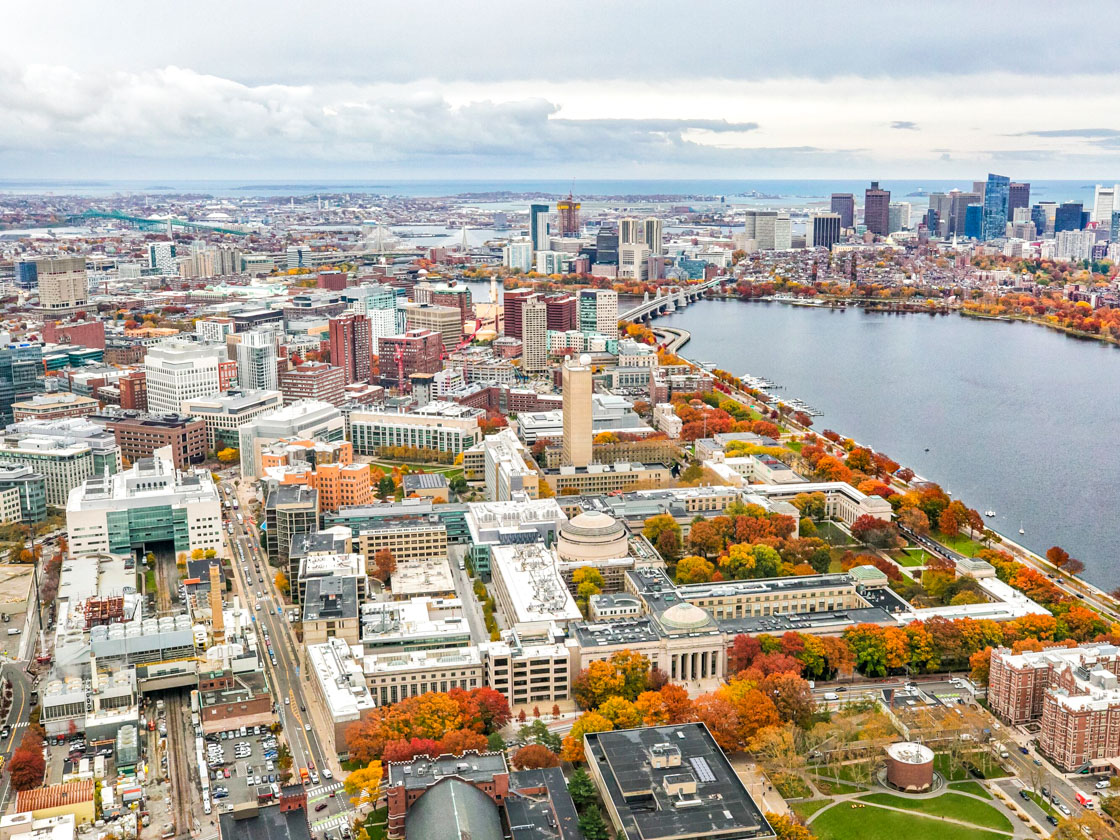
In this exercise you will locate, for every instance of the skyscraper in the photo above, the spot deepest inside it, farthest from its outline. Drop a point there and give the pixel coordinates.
(1068, 216)
(538, 226)
(351, 346)
(823, 230)
(876, 209)
(961, 201)
(845, 205)
(598, 312)
(898, 216)
(651, 235)
(534, 336)
(62, 284)
(995, 207)
(256, 361)
(576, 388)
(567, 213)
(1018, 195)
(1104, 201)
(974, 221)
(606, 246)
(512, 301)
(629, 232)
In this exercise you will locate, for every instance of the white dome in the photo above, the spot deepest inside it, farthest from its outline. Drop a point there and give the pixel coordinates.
(590, 537)
(684, 616)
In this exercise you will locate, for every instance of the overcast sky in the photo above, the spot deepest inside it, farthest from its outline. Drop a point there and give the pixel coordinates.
(415, 89)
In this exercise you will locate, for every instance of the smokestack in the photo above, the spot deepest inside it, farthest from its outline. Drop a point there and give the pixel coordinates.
(93, 687)
(217, 620)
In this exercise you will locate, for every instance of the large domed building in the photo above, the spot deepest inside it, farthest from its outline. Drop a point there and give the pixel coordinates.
(591, 536)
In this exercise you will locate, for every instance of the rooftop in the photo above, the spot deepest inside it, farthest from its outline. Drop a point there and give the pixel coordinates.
(268, 823)
(338, 668)
(424, 772)
(330, 599)
(672, 782)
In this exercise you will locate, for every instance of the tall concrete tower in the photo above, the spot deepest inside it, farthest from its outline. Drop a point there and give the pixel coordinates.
(577, 412)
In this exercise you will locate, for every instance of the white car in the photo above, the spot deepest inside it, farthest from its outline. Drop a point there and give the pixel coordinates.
(1061, 807)
(1102, 785)
(307, 727)
(327, 773)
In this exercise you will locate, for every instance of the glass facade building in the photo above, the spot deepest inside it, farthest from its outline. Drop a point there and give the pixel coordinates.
(996, 195)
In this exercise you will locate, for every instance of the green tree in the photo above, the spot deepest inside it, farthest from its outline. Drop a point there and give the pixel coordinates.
(591, 824)
(581, 788)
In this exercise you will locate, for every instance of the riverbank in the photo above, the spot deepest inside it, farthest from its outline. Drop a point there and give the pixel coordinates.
(950, 399)
(1011, 316)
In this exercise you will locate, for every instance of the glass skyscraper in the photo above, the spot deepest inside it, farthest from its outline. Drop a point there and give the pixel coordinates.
(973, 221)
(996, 194)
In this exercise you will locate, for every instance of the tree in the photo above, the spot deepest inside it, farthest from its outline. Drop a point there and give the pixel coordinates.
(581, 788)
(786, 829)
(791, 696)
(493, 708)
(588, 582)
(981, 664)
(655, 529)
(282, 583)
(591, 824)
(621, 713)
(27, 765)
(877, 532)
(915, 520)
(1058, 556)
(669, 544)
(386, 486)
(534, 757)
(694, 569)
(384, 564)
(459, 741)
(572, 749)
(364, 785)
(228, 455)
(1073, 566)
(537, 733)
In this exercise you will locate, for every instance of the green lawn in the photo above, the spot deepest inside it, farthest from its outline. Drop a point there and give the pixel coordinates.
(974, 788)
(791, 786)
(1041, 802)
(960, 774)
(795, 445)
(948, 805)
(377, 824)
(960, 543)
(447, 469)
(831, 788)
(807, 807)
(843, 822)
(833, 534)
(910, 556)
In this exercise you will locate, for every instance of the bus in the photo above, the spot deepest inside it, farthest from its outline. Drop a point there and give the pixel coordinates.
(240, 519)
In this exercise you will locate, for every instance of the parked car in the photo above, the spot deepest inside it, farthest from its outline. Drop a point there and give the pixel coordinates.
(1050, 818)
(320, 806)
(1102, 785)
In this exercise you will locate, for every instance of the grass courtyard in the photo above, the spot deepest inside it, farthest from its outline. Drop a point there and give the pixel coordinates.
(885, 816)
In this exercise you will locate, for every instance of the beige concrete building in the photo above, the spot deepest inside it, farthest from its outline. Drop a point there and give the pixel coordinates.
(577, 436)
(62, 285)
(411, 539)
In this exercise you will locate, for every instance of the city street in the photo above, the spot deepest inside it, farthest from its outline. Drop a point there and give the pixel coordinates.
(252, 575)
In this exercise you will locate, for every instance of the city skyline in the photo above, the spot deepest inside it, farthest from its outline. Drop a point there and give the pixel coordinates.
(351, 92)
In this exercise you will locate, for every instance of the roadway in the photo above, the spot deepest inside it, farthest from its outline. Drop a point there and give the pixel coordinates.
(252, 575)
(18, 717)
(465, 590)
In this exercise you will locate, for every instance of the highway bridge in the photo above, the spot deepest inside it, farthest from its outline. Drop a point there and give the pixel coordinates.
(152, 224)
(668, 299)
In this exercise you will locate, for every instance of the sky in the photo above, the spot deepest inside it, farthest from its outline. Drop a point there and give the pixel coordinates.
(606, 89)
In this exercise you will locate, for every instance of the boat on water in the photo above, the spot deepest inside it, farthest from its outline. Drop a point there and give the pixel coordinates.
(989, 513)
(1021, 531)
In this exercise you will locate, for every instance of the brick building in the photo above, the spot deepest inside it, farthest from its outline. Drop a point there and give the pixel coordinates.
(134, 391)
(512, 301)
(563, 312)
(313, 381)
(85, 333)
(139, 436)
(417, 351)
(1072, 692)
(351, 346)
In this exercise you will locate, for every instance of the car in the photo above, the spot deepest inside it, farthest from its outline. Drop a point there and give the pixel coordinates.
(219, 794)
(1050, 818)
(307, 727)
(1004, 754)
(1102, 785)
(287, 701)
(225, 773)
(327, 773)
(1046, 791)
(1061, 807)
(225, 735)
(302, 707)
(314, 777)
(257, 607)
(320, 806)
(1024, 795)
(1038, 761)
(1024, 750)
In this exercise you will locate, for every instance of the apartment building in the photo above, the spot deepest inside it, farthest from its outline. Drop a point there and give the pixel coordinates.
(54, 407)
(177, 370)
(63, 463)
(313, 381)
(440, 426)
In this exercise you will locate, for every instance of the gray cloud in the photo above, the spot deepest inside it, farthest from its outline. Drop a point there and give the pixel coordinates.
(905, 125)
(1072, 132)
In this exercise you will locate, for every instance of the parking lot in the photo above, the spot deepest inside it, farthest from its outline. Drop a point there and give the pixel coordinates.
(241, 765)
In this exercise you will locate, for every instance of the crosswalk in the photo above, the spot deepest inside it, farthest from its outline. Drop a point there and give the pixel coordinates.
(334, 821)
(323, 790)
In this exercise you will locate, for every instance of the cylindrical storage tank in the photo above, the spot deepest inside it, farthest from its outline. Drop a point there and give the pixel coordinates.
(910, 766)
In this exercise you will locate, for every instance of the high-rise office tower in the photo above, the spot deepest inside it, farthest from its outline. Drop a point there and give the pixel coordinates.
(979, 187)
(606, 246)
(518, 255)
(995, 207)
(538, 226)
(567, 216)
(563, 312)
(1104, 202)
(959, 205)
(178, 370)
(351, 346)
(62, 284)
(576, 387)
(974, 221)
(942, 204)
(1068, 216)
(629, 232)
(651, 235)
(876, 209)
(534, 336)
(256, 361)
(598, 311)
(512, 301)
(845, 205)
(161, 257)
(898, 216)
(1114, 227)
(1018, 195)
(823, 230)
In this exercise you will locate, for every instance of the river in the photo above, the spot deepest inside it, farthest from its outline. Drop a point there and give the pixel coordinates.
(1007, 416)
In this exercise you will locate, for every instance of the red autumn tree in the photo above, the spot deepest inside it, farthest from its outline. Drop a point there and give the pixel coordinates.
(534, 757)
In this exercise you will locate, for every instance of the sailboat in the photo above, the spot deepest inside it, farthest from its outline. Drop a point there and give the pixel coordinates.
(1021, 531)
